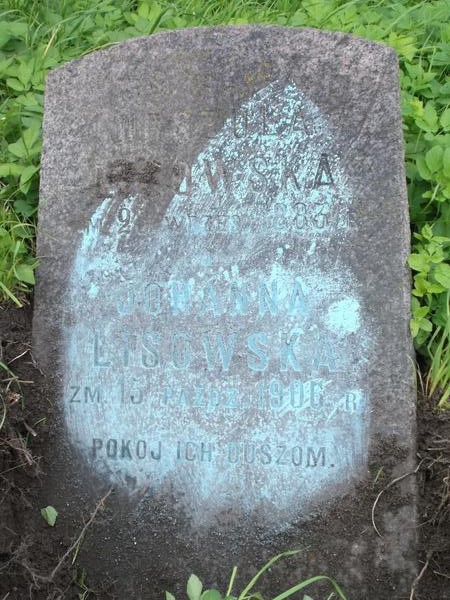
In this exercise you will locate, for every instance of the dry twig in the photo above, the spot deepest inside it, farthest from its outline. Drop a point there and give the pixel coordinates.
(420, 575)
(40, 579)
(100, 505)
(390, 484)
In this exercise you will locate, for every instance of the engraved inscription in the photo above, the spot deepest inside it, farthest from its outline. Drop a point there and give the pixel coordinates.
(228, 340)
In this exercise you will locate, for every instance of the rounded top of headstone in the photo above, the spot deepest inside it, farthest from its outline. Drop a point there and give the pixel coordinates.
(289, 40)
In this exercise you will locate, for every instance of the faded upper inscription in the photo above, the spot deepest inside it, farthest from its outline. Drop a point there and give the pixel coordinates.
(221, 354)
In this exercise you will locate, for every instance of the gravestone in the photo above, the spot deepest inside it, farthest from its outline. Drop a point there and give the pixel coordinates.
(222, 307)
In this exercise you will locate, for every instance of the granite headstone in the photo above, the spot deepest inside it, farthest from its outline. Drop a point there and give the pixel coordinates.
(222, 307)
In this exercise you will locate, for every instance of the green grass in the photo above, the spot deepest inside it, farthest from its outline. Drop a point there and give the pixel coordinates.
(439, 369)
(36, 36)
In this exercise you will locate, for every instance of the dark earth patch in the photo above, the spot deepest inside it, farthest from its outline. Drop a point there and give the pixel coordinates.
(31, 551)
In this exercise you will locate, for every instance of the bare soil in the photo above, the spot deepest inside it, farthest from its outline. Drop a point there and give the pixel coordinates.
(39, 562)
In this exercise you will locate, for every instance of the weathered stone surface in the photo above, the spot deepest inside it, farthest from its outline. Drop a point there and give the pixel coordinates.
(223, 306)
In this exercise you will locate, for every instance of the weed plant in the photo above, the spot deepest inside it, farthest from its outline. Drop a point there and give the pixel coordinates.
(194, 589)
(37, 35)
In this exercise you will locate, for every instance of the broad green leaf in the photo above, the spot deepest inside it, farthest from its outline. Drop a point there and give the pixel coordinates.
(421, 312)
(15, 28)
(415, 304)
(414, 327)
(421, 338)
(430, 116)
(317, 11)
(427, 232)
(434, 288)
(11, 169)
(32, 101)
(307, 598)
(442, 275)
(15, 84)
(425, 324)
(194, 587)
(298, 19)
(419, 262)
(441, 239)
(433, 158)
(49, 514)
(445, 119)
(420, 285)
(25, 273)
(404, 45)
(4, 34)
(25, 187)
(25, 71)
(169, 596)
(211, 595)
(18, 149)
(155, 15)
(436, 253)
(424, 171)
(143, 10)
(28, 145)
(10, 30)
(32, 133)
(24, 207)
(143, 26)
(4, 65)
(446, 162)
(27, 174)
